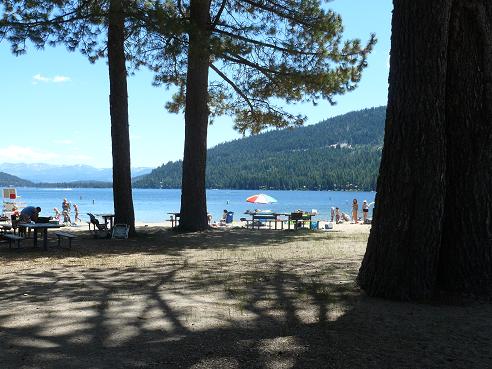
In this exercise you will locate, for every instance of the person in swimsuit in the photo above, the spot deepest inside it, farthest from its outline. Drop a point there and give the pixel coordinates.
(338, 216)
(76, 209)
(66, 211)
(365, 210)
(355, 209)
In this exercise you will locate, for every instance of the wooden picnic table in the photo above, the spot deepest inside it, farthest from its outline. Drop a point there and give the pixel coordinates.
(42, 226)
(300, 218)
(264, 216)
(5, 227)
(174, 219)
(108, 218)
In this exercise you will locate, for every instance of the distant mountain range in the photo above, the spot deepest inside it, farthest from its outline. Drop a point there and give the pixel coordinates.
(340, 153)
(47, 173)
(343, 152)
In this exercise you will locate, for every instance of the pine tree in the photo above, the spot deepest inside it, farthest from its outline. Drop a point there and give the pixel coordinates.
(259, 51)
(82, 25)
(432, 226)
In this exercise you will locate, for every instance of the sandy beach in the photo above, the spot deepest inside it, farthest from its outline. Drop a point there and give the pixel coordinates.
(342, 227)
(224, 298)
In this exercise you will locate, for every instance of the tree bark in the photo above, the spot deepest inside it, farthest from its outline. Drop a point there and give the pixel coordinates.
(120, 135)
(432, 223)
(193, 195)
(402, 254)
(466, 252)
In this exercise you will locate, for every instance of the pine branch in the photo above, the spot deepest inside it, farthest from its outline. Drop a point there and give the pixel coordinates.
(218, 15)
(264, 44)
(276, 12)
(234, 86)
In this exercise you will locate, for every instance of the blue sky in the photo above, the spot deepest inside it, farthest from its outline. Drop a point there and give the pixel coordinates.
(54, 104)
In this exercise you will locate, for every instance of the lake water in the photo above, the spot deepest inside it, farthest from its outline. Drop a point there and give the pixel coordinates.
(151, 205)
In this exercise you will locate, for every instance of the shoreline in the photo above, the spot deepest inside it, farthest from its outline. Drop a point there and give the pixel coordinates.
(346, 227)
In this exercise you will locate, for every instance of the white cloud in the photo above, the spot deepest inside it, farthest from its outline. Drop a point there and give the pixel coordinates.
(40, 78)
(56, 79)
(24, 154)
(61, 79)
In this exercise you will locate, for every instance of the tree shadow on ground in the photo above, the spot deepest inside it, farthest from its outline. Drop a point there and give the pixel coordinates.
(176, 313)
(154, 240)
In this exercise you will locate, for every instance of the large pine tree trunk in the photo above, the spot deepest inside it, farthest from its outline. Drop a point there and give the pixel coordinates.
(401, 259)
(466, 252)
(433, 220)
(120, 136)
(193, 196)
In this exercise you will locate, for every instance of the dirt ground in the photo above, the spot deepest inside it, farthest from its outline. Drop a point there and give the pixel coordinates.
(230, 298)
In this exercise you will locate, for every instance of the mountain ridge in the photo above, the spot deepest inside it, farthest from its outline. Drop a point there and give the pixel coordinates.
(341, 152)
(49, 173)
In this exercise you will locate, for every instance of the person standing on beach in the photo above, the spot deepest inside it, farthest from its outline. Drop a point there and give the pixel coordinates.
(66, 211)
(76, 209)
(365, 210)
(332, 213)
(355, 209)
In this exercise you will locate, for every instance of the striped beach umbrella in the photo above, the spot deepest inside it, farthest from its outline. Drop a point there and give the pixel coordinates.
(261, 198)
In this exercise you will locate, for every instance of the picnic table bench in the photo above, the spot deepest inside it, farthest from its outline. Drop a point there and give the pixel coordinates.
(68, 236)
(13, 238)
(257, 219)
(300, 219)
(174, 219)
(296, 219)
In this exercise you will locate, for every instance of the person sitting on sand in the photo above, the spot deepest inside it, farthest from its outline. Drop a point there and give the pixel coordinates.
(338, 217)
(30, 213)
(224, 217)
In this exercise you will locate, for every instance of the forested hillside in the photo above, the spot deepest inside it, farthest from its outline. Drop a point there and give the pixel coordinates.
(339, 153)
(7, 180)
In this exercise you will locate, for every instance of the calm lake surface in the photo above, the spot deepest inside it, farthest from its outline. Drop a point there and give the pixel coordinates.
(151, 205)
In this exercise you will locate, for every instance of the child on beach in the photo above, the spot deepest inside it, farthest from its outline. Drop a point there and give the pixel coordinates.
(15, 211)
(57, 215)
(76, 208)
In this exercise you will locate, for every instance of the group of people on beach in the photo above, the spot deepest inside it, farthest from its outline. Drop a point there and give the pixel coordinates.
(339, 216)
(66, 211)
(31, 213)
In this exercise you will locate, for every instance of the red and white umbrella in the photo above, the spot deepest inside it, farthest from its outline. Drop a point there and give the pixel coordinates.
(261, 199)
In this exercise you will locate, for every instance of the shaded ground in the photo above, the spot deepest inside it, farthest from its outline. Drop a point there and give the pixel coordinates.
(221, 299)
